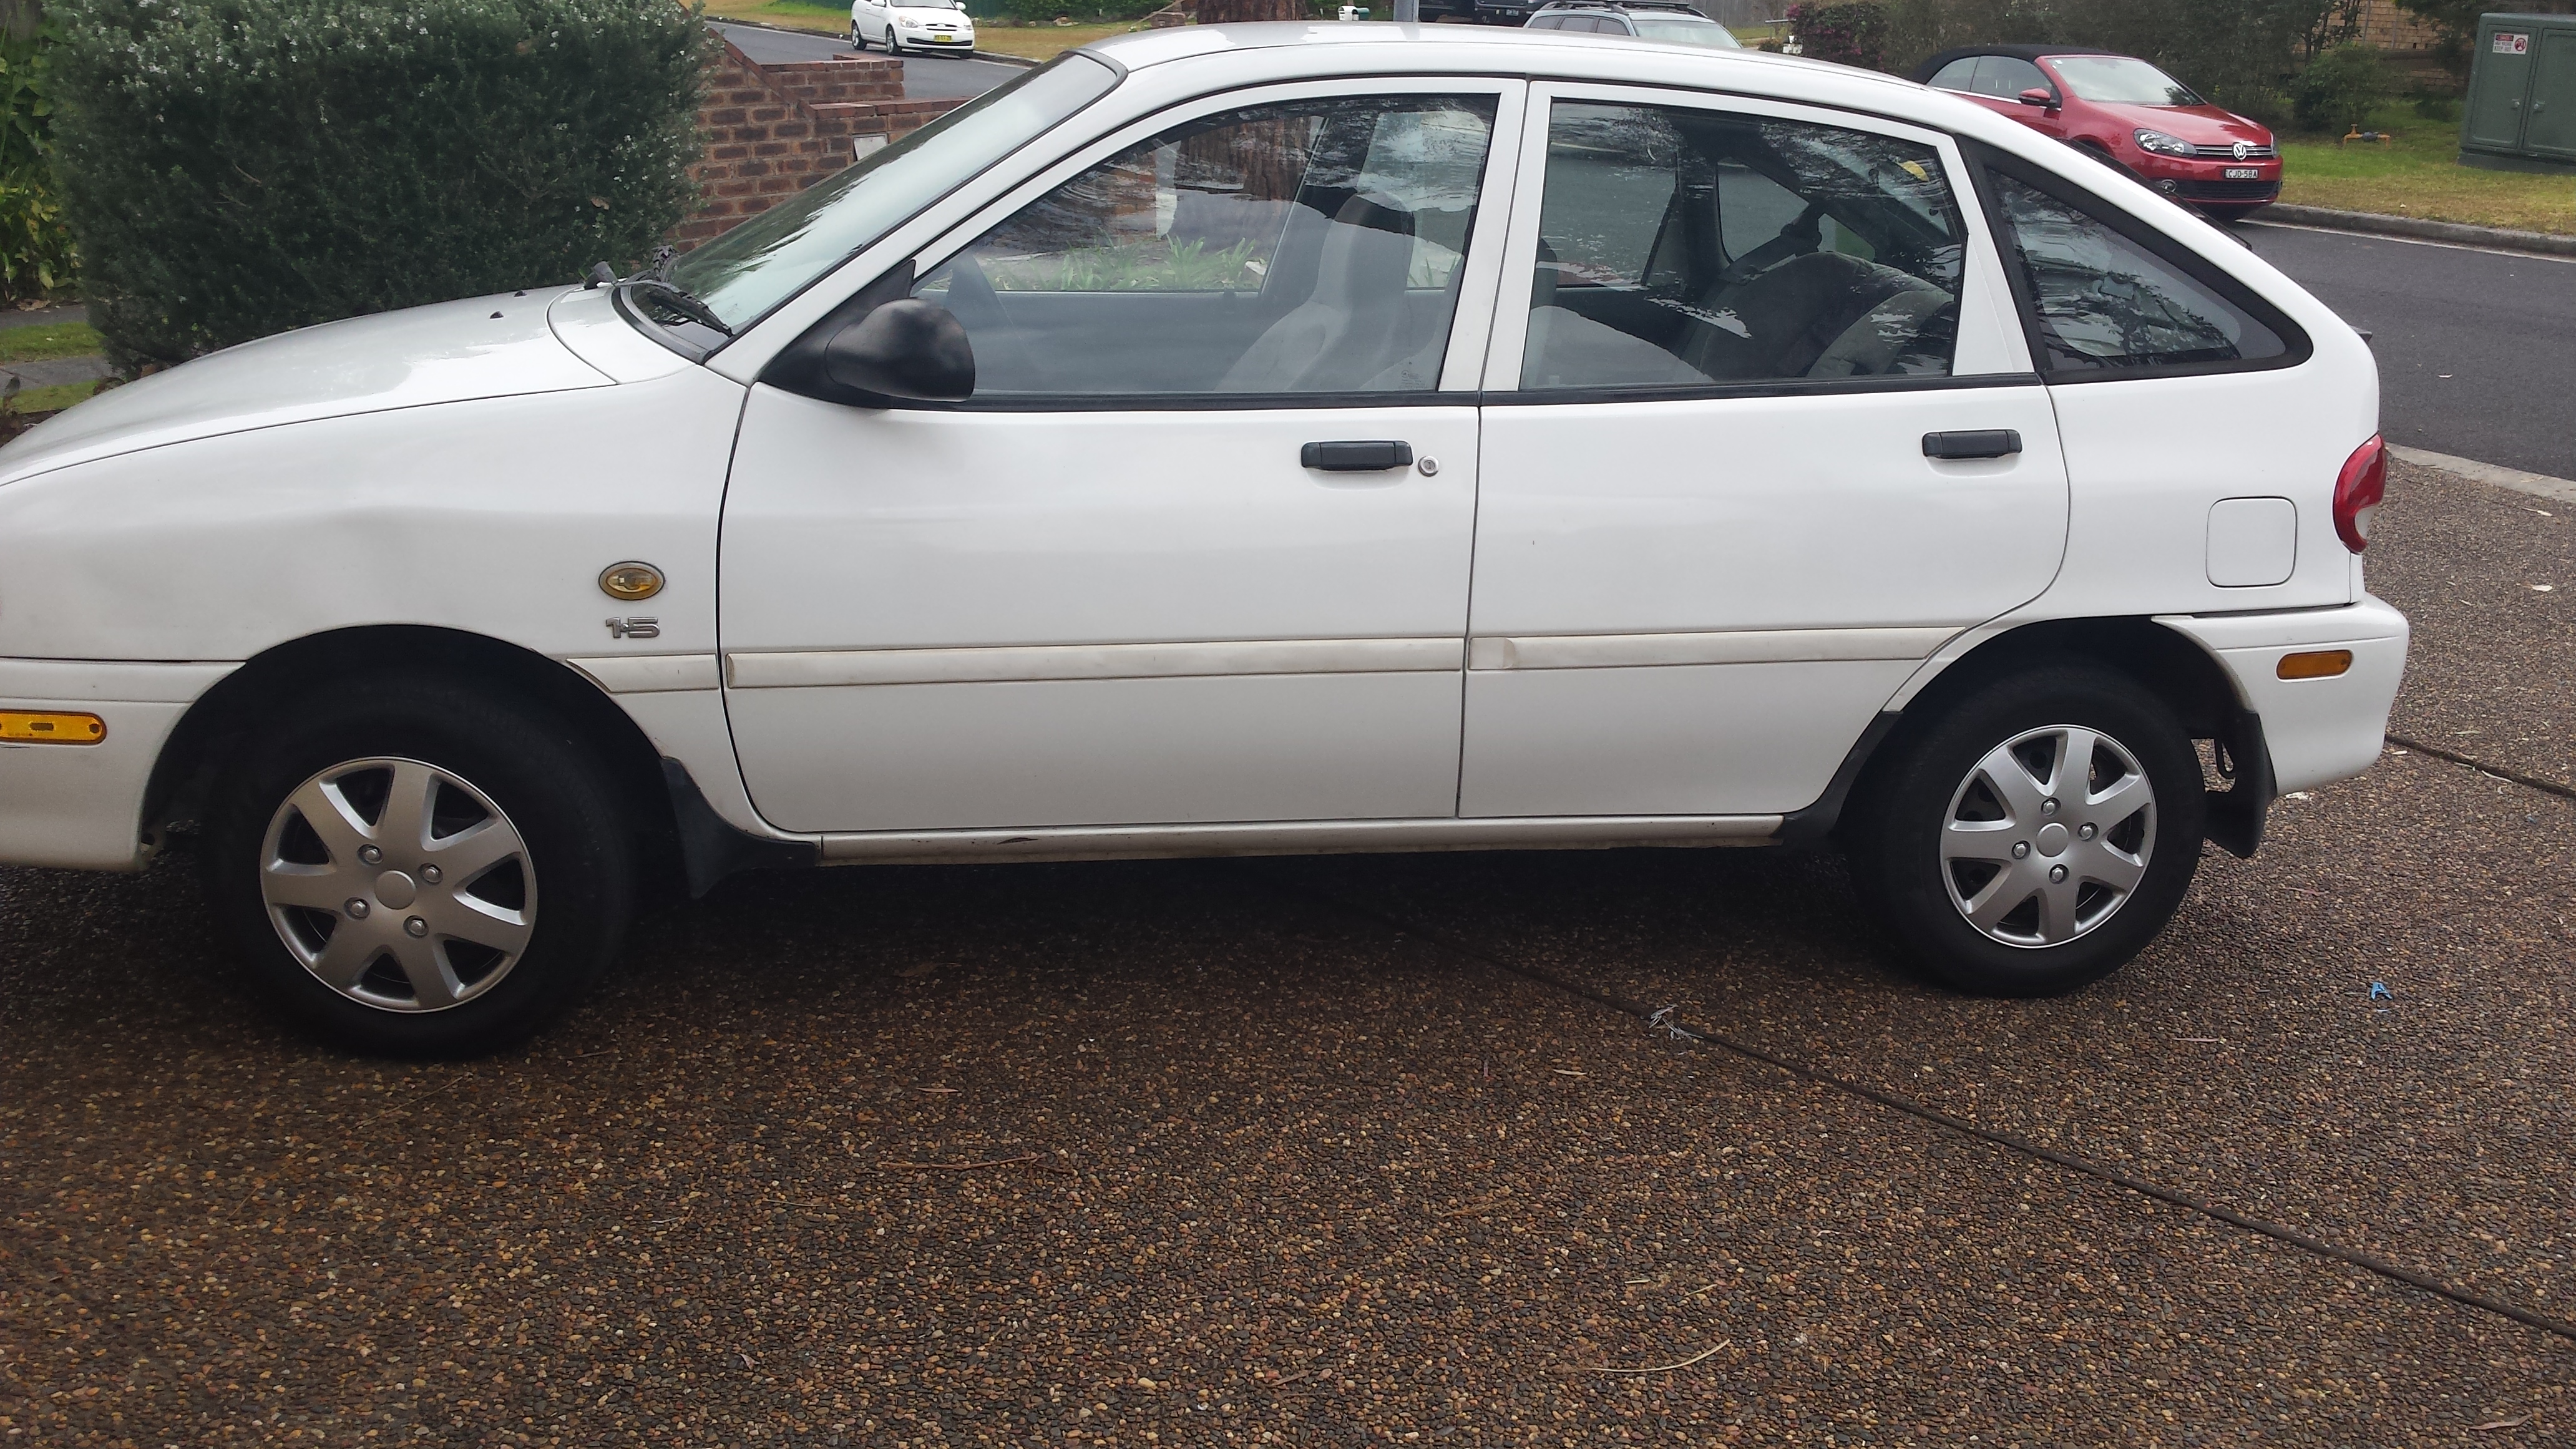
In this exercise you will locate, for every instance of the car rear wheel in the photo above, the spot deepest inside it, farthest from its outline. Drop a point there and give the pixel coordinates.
(409, 866)
(2034, 838)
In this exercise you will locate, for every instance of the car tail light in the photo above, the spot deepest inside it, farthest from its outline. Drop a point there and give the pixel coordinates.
(2363, 483)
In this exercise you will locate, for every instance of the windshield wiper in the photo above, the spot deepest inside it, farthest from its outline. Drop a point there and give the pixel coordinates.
(678, 298)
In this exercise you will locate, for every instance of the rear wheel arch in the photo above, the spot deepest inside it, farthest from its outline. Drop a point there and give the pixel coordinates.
(214, 728)
(2174, 668)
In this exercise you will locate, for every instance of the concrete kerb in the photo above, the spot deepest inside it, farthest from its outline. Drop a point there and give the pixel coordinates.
(2539, 485)
(2374, 224)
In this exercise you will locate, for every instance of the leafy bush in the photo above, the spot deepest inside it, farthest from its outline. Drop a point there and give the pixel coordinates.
(1852, 33)
(238, 167)
(35, 245)
(2340, 88)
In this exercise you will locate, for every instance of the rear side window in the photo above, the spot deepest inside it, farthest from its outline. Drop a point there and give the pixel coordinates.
(1681, 247)
(2005, 77)
(2105, 304)
(1958, 75)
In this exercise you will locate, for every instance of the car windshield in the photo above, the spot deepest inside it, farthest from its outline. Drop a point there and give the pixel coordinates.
(1685, 31)
(747, 271)
(2121, 80)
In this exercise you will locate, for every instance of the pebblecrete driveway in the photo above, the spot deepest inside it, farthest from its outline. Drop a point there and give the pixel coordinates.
(1545, 1149)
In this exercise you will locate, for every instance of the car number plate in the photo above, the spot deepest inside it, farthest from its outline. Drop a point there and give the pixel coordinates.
(2244, 173)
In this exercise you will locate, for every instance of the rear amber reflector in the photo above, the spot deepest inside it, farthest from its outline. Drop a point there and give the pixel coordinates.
(2316, 664)
(18, 727)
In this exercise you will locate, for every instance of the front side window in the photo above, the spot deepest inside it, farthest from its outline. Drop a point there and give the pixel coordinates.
(1307, 247)
(1682, 247)
(2106, 304)
(2120, 80)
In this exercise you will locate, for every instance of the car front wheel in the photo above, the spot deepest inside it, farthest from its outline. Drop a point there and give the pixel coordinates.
(2037, 836)
(412, 867)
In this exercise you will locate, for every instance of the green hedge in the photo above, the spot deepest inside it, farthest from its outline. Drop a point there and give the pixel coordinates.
(36, 256)
(235, 168)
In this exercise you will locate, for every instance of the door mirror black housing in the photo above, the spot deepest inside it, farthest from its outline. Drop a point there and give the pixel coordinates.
(2039, 96)
(907, 350)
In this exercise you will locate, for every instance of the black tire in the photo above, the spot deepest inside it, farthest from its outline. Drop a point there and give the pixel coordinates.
(573, 876)
(1895, 838)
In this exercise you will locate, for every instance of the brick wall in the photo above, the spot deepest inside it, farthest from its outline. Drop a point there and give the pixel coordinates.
(773, 130)
(2389, 28)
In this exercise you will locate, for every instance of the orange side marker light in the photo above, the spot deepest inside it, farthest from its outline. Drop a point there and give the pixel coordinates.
(2315, 664)
(25, 727)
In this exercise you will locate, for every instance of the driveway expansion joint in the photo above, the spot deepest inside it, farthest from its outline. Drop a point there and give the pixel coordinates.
(1665, 1020)
(2528, 782)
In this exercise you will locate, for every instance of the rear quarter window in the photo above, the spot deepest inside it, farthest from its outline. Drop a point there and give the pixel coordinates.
(2107, 299)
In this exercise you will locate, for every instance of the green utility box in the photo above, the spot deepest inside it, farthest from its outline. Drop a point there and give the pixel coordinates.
(2522, 95)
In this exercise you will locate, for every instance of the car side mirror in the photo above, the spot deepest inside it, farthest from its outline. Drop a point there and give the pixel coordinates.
(2039, 96)
(908, 349)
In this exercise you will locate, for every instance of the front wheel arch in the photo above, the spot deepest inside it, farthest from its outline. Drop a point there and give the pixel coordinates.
(212, 732)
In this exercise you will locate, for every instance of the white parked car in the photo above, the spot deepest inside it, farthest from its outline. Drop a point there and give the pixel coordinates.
(924, 28)
(1235, 441)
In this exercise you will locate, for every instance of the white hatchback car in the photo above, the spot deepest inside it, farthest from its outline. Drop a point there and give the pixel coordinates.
(926, 28)
(1236, 441)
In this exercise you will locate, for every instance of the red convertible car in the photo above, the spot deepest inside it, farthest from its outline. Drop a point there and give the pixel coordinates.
(2127, 112)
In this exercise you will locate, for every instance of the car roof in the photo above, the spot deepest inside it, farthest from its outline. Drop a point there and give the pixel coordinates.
(1672, 7)
(1486, 50)
(1323, 50)
(1927, 69)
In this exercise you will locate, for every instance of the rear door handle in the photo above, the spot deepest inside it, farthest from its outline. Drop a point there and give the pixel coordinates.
(1356, 457)
(1989, 443)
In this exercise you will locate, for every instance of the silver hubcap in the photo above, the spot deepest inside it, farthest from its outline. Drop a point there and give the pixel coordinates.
(2048, 836)
(398, 884)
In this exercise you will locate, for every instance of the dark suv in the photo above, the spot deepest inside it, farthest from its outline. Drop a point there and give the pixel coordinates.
(1665, 20)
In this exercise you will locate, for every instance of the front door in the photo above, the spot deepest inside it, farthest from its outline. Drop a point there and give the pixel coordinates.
(1197, 549)
(1763, 438)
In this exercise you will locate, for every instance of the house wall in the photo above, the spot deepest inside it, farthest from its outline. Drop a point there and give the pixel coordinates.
(773, 130)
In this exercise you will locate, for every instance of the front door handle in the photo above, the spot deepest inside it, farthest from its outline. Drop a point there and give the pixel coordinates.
(1356, 457)
(1988, 443)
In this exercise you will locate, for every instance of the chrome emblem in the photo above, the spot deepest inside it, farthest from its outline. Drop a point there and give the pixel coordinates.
(2243, 150)
(634, 628)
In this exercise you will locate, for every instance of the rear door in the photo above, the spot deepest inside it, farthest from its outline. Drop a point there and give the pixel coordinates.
(1711, 543)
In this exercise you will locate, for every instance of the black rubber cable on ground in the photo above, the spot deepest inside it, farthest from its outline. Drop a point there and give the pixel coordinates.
(1665, 1021)
(2546, 787)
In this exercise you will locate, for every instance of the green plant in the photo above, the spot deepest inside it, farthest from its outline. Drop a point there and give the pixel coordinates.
(237, 167)
(36, 254)
(2339, 89)
(1850, 33)
(1137, 267)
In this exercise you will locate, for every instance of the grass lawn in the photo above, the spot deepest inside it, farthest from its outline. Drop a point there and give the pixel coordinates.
(48, 339)
(51, 399)
(1043, 42)
(2419, 174)
(793, 14)
(1030, 42)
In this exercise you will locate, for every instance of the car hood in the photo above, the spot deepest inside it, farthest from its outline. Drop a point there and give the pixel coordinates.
(2200, 125)
(497, 346)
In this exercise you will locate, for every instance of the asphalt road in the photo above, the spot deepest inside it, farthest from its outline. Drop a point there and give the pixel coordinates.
(2474, 352)
(925, 77)
(1342, 1151)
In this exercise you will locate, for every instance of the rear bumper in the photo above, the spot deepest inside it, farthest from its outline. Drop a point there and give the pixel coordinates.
(2316, 729)
(81, 806)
